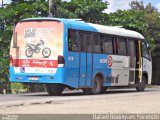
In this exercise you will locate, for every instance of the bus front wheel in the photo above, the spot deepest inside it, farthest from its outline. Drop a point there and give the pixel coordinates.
(141, 85)
(54, 89)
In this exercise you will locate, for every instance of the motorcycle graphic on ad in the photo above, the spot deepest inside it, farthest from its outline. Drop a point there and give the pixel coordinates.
(36, 48)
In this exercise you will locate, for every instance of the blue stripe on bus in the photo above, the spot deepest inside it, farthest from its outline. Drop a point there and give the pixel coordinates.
(42, 78)
(101, 67)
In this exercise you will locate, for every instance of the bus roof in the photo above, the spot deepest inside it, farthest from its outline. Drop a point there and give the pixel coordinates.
(80, 25)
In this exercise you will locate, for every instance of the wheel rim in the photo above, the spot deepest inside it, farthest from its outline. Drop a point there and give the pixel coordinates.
(29, 52)
(46, 52)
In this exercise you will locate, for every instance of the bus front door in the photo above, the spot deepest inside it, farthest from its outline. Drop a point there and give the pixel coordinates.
(135, 62)
(86, 59)
(138, 71)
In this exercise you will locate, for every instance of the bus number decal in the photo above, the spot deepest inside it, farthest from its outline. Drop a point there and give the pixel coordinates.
(70, 58)
(103, 60)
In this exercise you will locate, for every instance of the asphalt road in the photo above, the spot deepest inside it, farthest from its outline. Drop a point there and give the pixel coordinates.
(73, 105)
(8, 100)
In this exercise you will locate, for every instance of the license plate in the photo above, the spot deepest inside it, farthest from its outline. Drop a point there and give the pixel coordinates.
(33, 78)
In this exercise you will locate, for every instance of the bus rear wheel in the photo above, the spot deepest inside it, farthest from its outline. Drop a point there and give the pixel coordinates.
(141, 85)
(54, 89)
(97, 87)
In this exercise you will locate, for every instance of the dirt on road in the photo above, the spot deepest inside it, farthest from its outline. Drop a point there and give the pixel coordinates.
(134, 102)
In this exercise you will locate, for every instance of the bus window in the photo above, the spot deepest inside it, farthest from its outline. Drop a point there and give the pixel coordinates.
(122, 46)
(72, 41)
(89, 43)
(82, 43)
(132, 60)
(116, 46)
(145, 51)
(132, 52)
(97, 44)
(107, 44)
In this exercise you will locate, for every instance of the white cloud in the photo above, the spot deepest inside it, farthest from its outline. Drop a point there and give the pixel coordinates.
(7, 1)
(115, 5)
(158, 6)
(4, 2)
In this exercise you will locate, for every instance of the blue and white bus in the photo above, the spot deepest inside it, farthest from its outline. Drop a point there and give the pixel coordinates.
(70, 53)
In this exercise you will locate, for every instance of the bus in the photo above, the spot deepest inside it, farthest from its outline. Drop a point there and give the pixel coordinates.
(69, 53)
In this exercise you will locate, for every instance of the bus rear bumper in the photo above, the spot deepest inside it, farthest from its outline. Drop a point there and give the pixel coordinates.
(37, 78)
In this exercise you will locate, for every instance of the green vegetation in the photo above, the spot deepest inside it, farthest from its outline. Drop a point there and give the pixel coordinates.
(144, 19)
(10, 15)
(141, 19)
(18, 88)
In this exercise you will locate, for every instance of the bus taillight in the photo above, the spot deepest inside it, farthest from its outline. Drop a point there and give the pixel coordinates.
(61, 61)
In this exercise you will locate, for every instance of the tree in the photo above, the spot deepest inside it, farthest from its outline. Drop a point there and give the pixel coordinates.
(152, 20)
(139, 6)
(143, 19)
(11, 14)
(129, 19)
(87, 10)
(146, 20)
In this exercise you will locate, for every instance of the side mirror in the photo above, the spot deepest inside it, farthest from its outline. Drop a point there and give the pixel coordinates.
(148, 45)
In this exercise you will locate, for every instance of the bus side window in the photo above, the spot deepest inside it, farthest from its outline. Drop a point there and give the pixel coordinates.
(97, 44)
(116, 46)
(145, 51)
(122, 47)
(107, 44)
(72, 41)
(82, 42)
(89, 43)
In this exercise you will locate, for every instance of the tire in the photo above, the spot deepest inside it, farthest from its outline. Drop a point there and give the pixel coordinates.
(103, 90)
(88, 91)
(141, 85)
(46, 52)
(96, 88)
(29, 52)
(54, 89)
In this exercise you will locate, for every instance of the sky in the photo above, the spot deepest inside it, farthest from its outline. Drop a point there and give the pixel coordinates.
(124, 4)
(118, 4)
